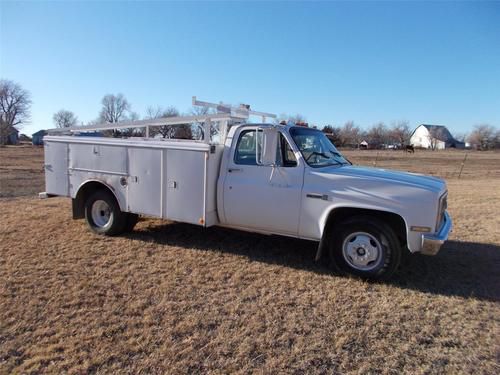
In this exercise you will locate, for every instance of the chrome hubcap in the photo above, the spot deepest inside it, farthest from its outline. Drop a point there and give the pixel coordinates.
(101, 213)
(362, 251)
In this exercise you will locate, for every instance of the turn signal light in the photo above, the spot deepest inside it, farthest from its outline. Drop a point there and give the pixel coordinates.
(420, 229)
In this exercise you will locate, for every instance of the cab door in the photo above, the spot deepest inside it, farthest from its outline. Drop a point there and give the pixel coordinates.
(262, 197)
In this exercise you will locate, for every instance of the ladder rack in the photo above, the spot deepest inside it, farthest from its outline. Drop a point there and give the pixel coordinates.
(226, 115)
(243, 110)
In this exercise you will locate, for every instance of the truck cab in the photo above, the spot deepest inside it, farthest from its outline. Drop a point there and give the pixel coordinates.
(292, 181)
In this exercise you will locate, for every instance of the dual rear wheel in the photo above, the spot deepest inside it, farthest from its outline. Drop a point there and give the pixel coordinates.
(103, 215)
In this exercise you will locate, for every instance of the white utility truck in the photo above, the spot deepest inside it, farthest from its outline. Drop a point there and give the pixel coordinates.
(259, 177)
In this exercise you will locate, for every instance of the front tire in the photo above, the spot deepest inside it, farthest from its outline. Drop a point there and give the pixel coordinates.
(365, 247)
(103, 215)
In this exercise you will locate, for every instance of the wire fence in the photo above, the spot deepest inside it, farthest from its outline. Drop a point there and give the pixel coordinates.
(447, 164)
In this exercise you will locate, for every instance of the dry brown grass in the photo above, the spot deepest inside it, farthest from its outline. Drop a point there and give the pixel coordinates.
(176, 298)
(21, 171)
(446, 164)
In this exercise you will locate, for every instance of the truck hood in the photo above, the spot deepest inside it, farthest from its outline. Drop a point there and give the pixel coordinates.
(415, 180)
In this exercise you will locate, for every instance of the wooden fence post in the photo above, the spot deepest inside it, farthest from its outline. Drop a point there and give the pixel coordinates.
(463, 163)
(376, 159)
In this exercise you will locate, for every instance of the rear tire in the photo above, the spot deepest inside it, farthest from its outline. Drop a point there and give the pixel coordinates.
(103, 215)
(365, 247)
(132, 220)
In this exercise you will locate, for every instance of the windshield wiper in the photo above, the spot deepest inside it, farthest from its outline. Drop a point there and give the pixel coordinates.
(337, 154)
(319, 154)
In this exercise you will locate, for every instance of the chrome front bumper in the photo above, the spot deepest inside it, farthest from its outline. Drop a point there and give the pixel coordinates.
(431, 243)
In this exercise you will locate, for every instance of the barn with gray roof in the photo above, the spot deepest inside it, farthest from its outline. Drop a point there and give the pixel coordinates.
(435, 137)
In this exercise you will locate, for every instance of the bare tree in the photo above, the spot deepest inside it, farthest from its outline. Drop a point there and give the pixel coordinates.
(435, 137)
(377, 135)
(295, 119)
(133, 116)
(201, 111)
(64, 119)
(168, 131)
(327, 129)
(153, 112)
(400, 132)
(333, 133)
(170, 112)
(183, 131)
(484, 136)
(114, 108)
(15, 105)
(461, 137)
(350, 134)
(132, 132)
(197, 130)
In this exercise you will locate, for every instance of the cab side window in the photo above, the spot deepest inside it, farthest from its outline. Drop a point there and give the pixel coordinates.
(245, 149)
(284, 154)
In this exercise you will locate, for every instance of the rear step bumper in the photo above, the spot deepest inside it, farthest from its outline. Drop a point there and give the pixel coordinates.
(45, 195)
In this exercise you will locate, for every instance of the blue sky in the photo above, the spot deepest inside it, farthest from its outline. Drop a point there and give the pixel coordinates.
(423, 62)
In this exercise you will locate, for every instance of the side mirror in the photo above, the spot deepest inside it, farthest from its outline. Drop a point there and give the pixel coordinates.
(266, 146)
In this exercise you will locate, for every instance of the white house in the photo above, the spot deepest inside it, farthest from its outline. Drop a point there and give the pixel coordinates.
(436, 137)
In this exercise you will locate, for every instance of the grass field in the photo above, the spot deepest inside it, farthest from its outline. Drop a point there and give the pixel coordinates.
(174, 298)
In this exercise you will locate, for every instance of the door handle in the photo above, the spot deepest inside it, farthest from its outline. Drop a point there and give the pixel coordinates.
(230, 170)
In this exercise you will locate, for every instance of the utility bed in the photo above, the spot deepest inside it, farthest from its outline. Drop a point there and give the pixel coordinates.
(169, 179)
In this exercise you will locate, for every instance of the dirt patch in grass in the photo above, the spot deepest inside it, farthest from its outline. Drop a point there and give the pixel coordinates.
(172, 298)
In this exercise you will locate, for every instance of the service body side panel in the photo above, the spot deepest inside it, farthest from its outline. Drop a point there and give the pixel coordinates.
(185, 183)
(56, 168)
(97, 162)
(144, 190)
(98, 158)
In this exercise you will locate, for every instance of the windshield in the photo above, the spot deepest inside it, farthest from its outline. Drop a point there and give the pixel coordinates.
(316, 148)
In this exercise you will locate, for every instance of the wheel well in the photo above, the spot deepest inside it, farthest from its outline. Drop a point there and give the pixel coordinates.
(83, 193)
(396, 222)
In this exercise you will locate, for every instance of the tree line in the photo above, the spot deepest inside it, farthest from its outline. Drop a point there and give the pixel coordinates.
(483, 136)
(15, 109)
(351, 135)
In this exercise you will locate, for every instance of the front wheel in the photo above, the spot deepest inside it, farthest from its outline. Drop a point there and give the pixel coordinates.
(103, 214)
(365, 247)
